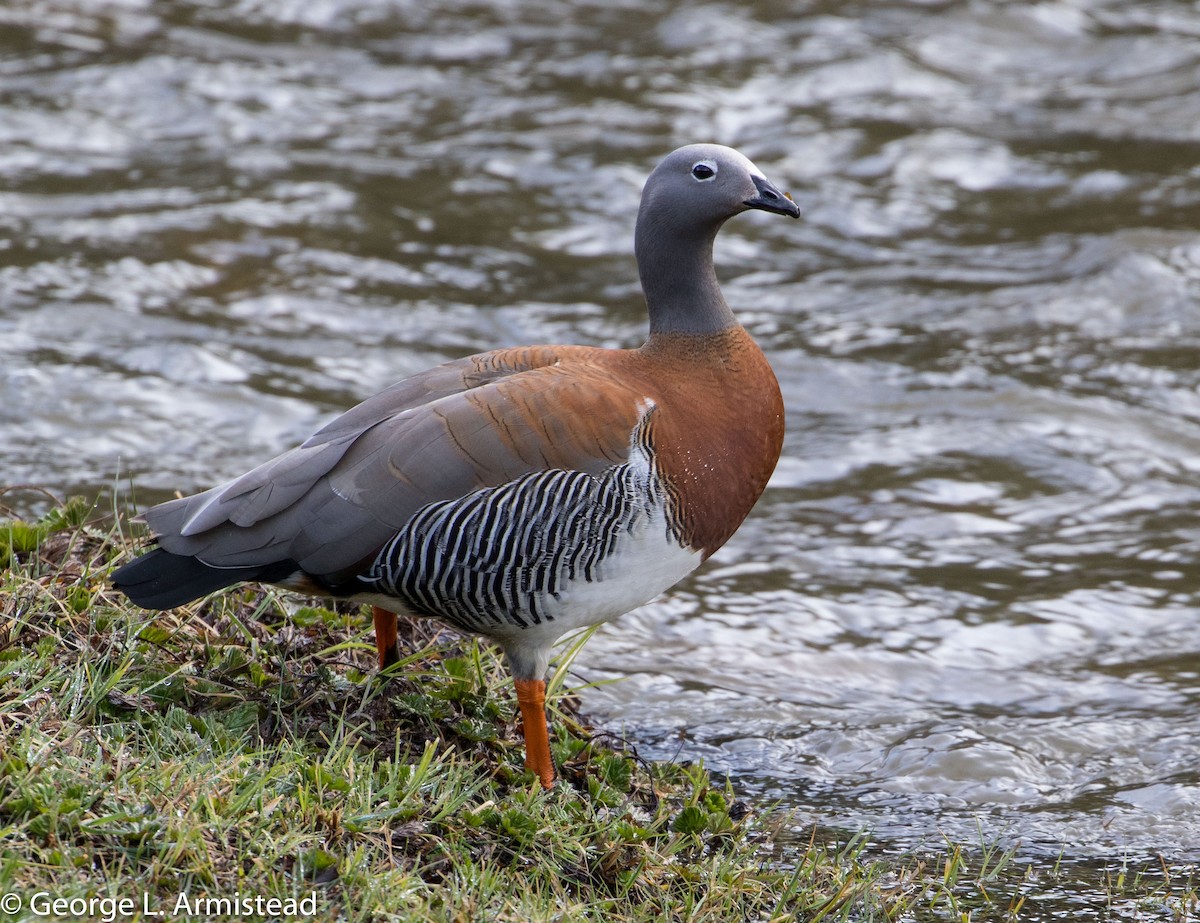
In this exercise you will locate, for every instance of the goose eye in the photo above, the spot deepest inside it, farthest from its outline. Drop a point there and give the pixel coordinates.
(704, 171)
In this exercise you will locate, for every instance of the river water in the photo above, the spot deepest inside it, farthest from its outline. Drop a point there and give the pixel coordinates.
(968, 600)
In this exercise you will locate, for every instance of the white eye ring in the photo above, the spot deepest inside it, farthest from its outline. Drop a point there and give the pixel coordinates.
(704, 171)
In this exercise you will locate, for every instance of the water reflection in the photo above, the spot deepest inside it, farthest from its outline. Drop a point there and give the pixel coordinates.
(969, 594)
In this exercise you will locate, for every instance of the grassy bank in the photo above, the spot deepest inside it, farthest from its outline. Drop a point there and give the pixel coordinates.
(242, 751)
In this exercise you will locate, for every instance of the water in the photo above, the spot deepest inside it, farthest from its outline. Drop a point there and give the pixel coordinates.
(968, 599)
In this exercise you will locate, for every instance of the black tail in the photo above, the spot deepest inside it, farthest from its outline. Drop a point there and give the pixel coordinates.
(161, 580)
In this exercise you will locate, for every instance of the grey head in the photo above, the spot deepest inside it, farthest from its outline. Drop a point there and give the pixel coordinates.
(686, 200)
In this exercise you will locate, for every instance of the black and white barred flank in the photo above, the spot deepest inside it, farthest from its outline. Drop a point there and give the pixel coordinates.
(503, 555)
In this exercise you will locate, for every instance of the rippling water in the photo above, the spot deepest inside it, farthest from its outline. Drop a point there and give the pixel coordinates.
(969, 596)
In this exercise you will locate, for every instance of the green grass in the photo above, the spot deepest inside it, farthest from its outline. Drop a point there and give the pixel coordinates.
(244, 748)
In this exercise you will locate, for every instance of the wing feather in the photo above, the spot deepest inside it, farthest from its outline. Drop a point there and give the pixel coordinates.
(332, 502)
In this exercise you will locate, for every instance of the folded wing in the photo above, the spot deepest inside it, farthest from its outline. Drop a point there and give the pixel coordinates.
(331, 503)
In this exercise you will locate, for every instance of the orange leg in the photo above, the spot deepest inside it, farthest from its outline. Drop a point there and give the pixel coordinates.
(385, 636)
(531, 697)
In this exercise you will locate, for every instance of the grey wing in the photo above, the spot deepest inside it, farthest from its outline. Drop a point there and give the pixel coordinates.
(253, 518)
(332, 502)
